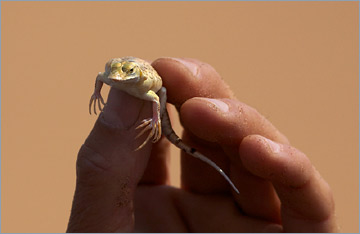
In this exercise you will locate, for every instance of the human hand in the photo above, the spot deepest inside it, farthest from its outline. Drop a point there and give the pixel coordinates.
(279, 188)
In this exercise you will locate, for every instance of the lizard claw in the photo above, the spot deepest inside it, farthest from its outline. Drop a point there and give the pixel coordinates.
(96, 97)
(149, 124)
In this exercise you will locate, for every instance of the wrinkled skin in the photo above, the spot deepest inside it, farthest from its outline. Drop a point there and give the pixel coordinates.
(122, 190)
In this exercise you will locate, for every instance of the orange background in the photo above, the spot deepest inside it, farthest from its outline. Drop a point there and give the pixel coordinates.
(296, 62)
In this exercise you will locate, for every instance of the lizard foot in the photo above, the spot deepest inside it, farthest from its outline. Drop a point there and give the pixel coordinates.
(154, 126)
(96, 97)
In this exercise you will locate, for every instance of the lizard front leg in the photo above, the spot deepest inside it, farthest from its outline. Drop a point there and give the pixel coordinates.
(153, 124)
(97, 95)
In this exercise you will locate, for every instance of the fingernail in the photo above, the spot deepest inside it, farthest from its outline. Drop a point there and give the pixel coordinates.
(272, 228)
(274, 147)
(220, 105)
(191, 66)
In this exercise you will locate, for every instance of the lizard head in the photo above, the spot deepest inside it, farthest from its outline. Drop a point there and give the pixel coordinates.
(124, 71)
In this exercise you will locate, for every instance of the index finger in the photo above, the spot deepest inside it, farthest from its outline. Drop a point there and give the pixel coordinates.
(187, 78)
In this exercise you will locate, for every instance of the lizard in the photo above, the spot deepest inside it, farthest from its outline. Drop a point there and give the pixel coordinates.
(139, 79)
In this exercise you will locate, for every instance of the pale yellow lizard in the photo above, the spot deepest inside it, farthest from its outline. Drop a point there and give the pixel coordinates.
(138, 78)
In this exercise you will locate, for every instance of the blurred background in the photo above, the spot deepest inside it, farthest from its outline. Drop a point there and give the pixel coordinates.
(296, 62)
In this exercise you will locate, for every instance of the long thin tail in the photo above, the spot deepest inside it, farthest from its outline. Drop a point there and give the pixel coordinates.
(175, 139)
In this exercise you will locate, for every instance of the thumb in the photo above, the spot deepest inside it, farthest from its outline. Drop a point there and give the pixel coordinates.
(108, 169)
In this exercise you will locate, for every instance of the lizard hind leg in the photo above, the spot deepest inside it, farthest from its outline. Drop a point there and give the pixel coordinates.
(152, 124)
(148, 124)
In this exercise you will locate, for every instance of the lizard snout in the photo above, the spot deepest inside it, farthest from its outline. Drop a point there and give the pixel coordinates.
(115, 76)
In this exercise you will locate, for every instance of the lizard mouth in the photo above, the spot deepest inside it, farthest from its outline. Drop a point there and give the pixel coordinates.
(115, 76)
(124, 80)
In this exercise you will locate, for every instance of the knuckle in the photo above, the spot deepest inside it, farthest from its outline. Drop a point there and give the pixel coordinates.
(91, 166)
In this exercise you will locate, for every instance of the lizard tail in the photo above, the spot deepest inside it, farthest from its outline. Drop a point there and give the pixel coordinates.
(175, 139)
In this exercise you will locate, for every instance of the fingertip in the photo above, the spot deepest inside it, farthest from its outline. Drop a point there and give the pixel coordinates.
(183, 65)
(122, 110)
(306, 199)
(177, 79)
(205, 118)
(274, 161)
(186, 78)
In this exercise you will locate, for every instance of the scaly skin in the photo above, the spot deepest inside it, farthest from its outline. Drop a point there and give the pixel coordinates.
(138, 78)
